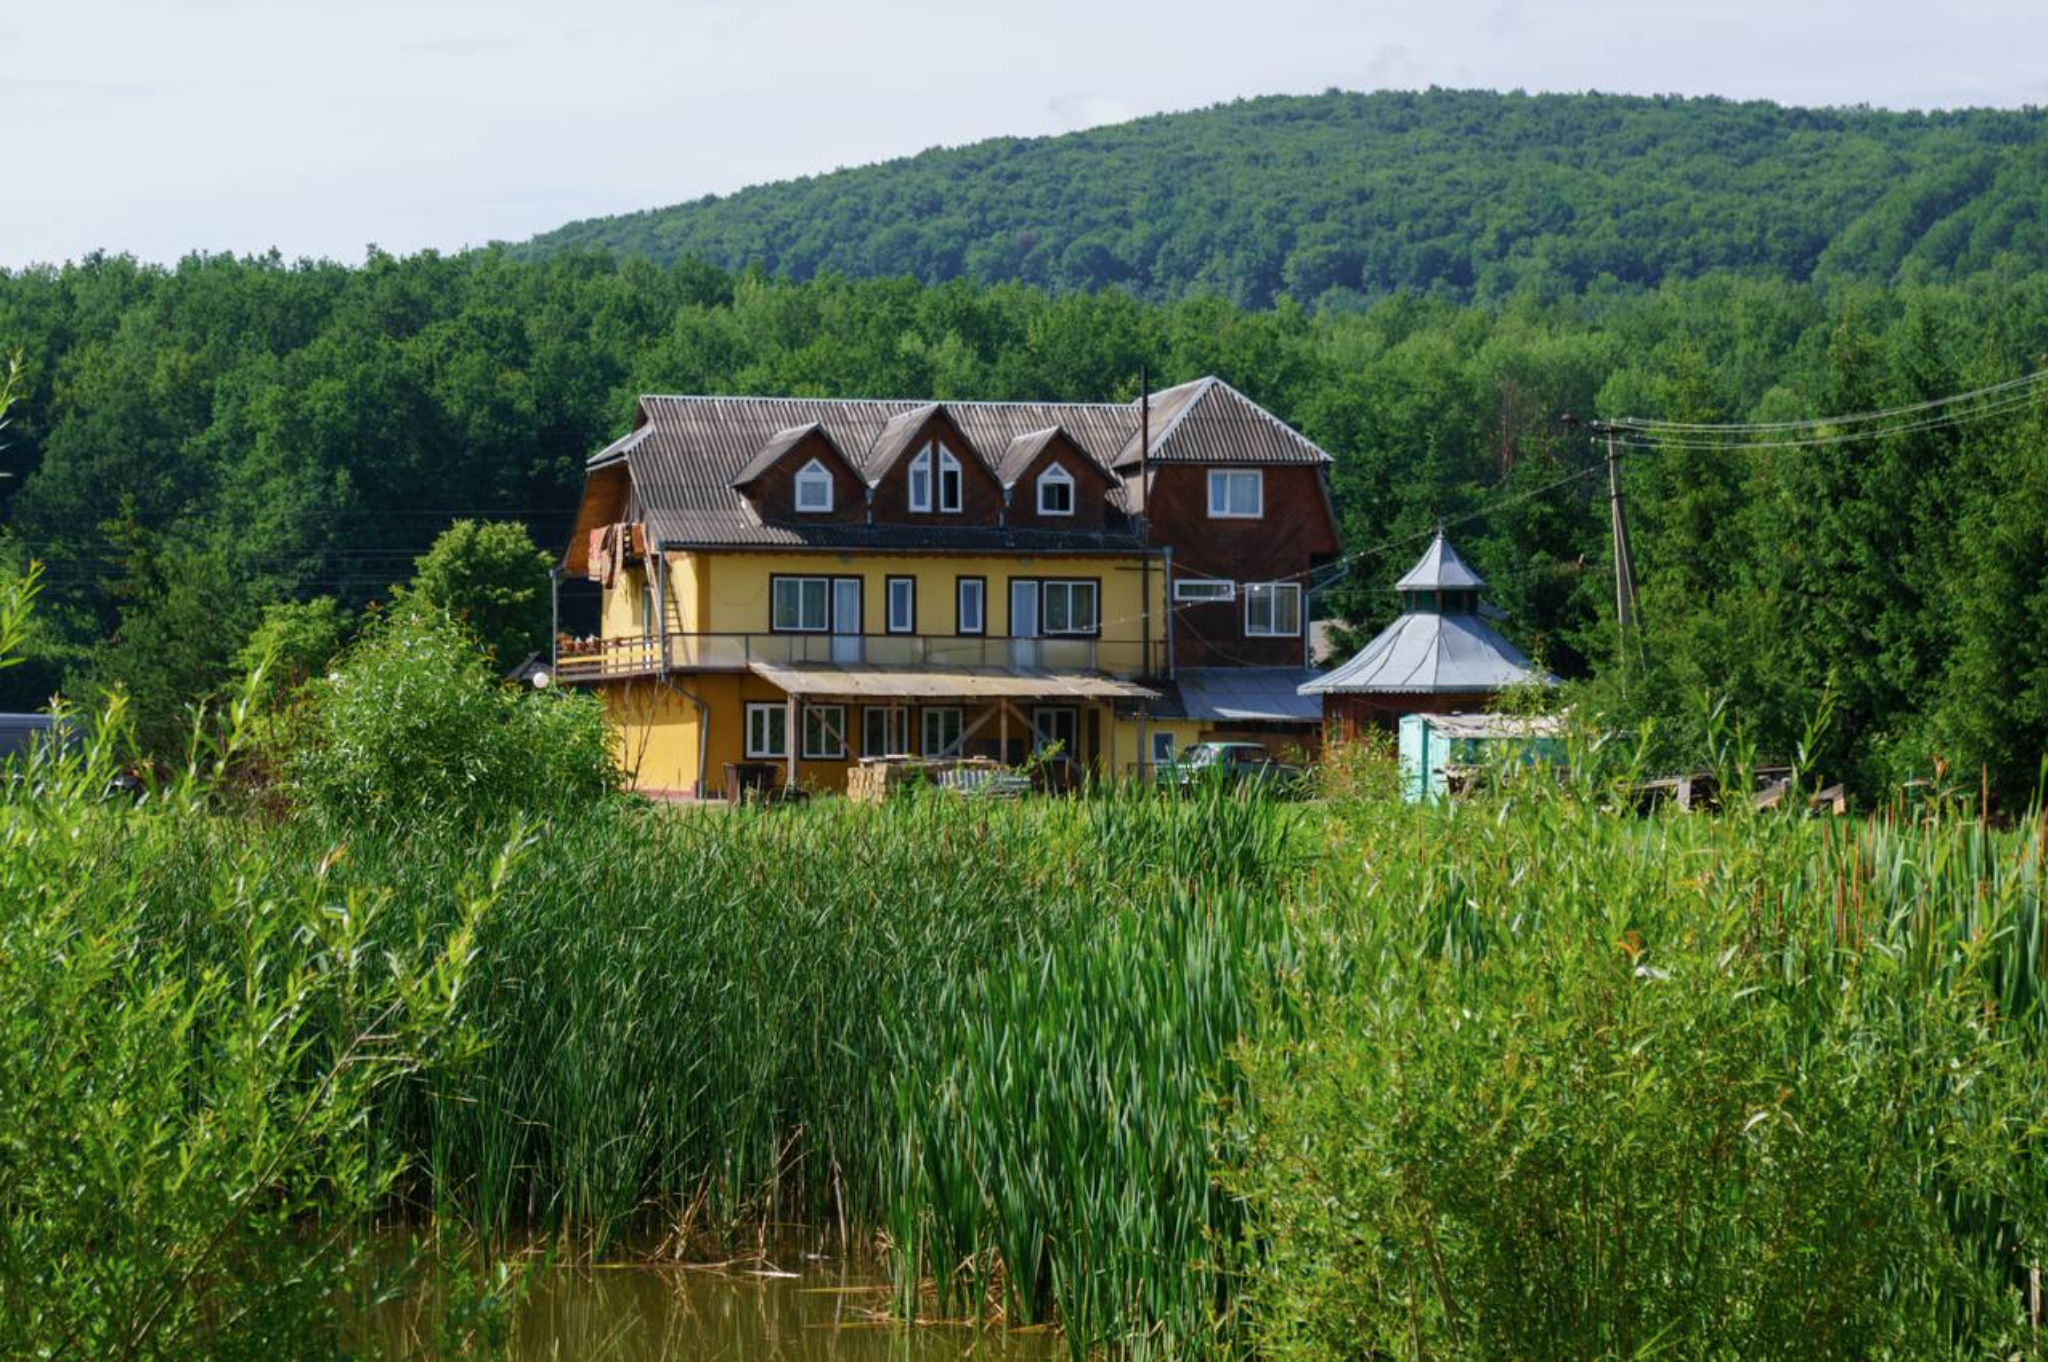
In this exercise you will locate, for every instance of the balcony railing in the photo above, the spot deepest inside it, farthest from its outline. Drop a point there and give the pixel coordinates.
(641, 654)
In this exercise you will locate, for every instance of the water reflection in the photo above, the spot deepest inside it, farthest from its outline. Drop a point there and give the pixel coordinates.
(801, 1307)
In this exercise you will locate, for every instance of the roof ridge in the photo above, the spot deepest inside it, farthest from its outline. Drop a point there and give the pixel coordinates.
(888, 401)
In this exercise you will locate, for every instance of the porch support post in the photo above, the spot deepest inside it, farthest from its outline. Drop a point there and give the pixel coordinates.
(1109, 717)
(790, 737)
(554, 622)
(1003, 730)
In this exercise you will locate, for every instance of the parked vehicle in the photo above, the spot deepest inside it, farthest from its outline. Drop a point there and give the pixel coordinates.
(1231, 762)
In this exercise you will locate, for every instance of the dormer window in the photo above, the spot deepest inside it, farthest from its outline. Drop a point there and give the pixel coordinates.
(935, 459)
(921, 480)
(814, 489)
(1056, 491)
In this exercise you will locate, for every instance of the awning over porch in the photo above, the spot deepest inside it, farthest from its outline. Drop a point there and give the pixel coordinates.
(857, 682)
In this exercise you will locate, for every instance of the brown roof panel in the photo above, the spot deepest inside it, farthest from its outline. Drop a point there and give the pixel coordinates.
(687, 452)
(779, 444)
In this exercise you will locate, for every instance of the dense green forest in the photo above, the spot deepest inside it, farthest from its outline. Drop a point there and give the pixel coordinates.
(1340, 198)
(193, 443)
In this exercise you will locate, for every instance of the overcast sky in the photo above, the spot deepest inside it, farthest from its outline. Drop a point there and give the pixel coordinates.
(321, 126)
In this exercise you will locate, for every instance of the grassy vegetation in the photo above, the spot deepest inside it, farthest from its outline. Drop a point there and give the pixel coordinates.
(1531, 1075)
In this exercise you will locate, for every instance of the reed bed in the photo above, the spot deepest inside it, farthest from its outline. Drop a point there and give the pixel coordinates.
(1574, 1083)
(1220, 1074)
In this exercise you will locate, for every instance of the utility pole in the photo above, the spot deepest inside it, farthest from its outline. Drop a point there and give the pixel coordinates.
(1625, 606)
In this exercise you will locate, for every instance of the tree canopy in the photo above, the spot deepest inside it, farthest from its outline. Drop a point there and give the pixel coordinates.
(1347, 197)
(196, 443)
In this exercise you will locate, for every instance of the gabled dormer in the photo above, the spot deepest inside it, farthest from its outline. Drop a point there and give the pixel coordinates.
(800, 474)
(1051, 483)
(922, 468)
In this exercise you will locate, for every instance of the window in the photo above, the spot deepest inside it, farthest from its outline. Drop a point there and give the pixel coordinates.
(941, 731)
(1162, 748)
(921, 480)
(825, 732)
(1055, 491)
(1067, 607)
(646, 609)
(949, 481)
(814, 488)
(767, 731)
(902, 602)
(799, 605)
(1272, 609)
(971, 596)
(1195, 590)
(884, 732)
(1237, 493)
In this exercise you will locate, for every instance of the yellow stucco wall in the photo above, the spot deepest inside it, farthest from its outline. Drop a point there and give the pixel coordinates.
(729, 593)
(661, 728)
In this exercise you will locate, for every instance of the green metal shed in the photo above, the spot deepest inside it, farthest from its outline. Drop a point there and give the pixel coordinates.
(1434, 744)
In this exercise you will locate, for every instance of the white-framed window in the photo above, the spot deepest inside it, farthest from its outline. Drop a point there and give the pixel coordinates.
(1272, 609)
(799, 605)
(1068, 607)
(1237, 493)
(813, 488)
(941, 730)
(884, 732)
(921, 480)
(971, 606)
(1056, 491)
(949, 481)
(825, 732)
(1200, 590)
(767, 731)
(901, 615)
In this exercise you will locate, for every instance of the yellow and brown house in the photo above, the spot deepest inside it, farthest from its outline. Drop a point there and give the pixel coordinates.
(810, 582)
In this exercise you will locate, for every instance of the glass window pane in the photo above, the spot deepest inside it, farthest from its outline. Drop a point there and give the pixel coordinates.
(1057, 610)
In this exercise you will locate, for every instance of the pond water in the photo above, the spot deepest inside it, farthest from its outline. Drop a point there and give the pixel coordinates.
(794, 1306)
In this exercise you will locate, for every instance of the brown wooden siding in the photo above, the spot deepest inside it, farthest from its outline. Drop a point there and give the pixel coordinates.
(1091, 490)
(1295, 533)
(773, 494)
(981, 496)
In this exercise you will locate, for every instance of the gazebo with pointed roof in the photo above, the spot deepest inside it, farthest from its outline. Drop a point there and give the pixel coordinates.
(1440, 656)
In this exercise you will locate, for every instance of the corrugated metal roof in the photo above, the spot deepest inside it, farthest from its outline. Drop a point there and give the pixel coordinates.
(779, 444)
(1021, 452)
(937, 683)
(1431, 654)
(1440, 569)
(687, 452)
(1494, 725)
(1243, 695)
(895, 437)
(1210, 422)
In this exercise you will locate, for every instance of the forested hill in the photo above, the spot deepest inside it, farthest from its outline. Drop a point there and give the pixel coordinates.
(1477, 193)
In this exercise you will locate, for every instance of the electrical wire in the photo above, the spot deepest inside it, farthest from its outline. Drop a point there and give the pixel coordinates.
(1850, 418)
(2000, 407)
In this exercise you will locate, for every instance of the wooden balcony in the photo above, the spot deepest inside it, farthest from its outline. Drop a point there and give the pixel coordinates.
(633, 655)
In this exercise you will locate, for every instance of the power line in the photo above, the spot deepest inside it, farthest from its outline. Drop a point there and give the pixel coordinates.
(2000, 407)
(1636, 423)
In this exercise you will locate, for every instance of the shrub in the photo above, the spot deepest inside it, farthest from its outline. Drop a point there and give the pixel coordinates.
(412, 723)
(195, 1033)
(1703, 1087)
